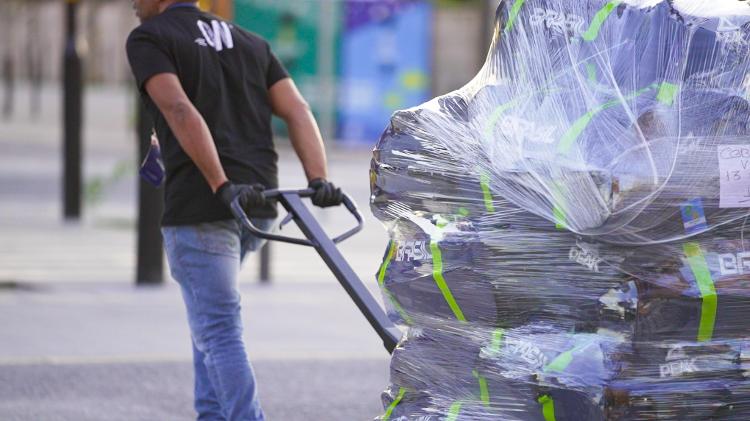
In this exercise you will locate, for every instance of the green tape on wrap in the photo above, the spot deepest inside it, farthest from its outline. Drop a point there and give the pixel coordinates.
(484, 392)
(577, 128)
(559, 215)
(548, 407)
(484, 182)
(454, 410)
(514, 11)
(497, 340)
(562, 361)
(667, 93)
(392, 406)
(381, 282)
(591, 72)
(558, 212)
(699, 267)
(386, 262)
(437, 274)
(599, 18)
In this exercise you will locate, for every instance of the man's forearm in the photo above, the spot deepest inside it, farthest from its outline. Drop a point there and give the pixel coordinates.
(187, 125)
(307, 142)
(195, 139)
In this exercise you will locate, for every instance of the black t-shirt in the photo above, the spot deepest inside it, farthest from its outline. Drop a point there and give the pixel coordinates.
(226, 72)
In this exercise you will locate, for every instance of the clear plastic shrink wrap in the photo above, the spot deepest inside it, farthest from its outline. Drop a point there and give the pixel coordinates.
(568, 229)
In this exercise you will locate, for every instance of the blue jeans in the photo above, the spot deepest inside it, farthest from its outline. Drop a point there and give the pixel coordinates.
(205, 260)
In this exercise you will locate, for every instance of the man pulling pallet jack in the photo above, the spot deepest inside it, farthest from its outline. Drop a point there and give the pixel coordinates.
(211, 89)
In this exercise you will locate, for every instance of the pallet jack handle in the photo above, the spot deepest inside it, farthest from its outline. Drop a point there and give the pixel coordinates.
(326, 248)
(277, 195)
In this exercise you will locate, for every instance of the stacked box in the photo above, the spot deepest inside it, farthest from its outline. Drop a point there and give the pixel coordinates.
(568, 230)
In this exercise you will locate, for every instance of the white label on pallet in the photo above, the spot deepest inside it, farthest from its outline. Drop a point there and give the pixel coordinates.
(734, 176)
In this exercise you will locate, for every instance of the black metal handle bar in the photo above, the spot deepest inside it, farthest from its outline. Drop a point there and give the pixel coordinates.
(326, 248)
(240, 214)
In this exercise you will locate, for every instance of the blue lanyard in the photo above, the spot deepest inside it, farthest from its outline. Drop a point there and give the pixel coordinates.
(182, 4)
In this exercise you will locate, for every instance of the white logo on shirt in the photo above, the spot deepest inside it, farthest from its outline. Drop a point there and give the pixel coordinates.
(217, 35)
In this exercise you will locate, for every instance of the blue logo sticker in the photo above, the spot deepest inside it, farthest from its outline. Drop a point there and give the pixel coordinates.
(693, 217)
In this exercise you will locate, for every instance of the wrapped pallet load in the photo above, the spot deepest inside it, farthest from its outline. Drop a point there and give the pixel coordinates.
(568, 230)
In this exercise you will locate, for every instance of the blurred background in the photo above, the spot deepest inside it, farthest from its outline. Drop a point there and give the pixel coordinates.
(92, 325)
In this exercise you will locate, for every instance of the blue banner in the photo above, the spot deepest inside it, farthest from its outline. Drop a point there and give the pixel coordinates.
(385, 64)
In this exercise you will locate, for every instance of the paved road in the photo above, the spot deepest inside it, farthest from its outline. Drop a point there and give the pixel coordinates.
(291, 390)
(115, 352)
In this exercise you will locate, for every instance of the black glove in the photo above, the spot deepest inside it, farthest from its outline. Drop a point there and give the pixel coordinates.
(326, 194)
(250, 195)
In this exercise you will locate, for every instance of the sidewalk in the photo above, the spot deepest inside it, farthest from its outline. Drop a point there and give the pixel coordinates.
(115, 352)
(80, 342)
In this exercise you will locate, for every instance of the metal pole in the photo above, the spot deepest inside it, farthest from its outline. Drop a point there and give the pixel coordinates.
(327, 15)
(9, 85)
(225, 9)
(265, 263)
(72, 110)
(150, 264)
(8, 10)
(34, 63)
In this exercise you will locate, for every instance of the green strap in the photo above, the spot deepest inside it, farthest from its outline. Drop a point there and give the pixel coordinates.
(667, 93)
(548, 407)
(560, 219)
(493, 349)
(437, 274)
(392, 406)
(698, 265)
(441, 221)
(599, 18)
(497, 340)
(558, 212)
(575, 130)
(514, 14)
(381, 282)
(562, 361)
(484, 182)
(454, 410)
(591, 72)
(484, 392)
(386, 262)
